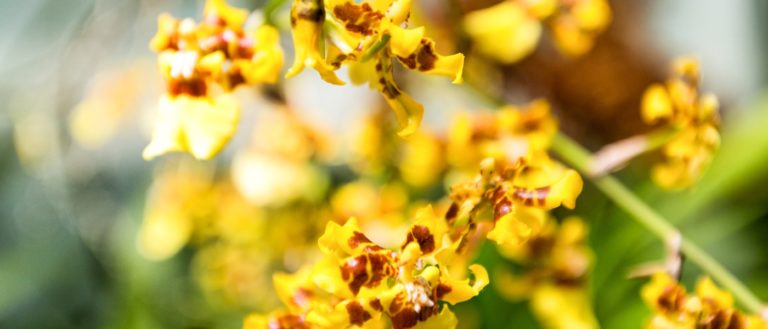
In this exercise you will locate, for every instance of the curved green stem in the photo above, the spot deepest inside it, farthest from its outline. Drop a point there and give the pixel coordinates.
(575, 155)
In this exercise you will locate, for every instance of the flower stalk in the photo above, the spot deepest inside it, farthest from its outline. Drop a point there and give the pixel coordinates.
(575, 155)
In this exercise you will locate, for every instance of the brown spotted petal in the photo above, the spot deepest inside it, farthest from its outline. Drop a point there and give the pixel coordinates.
(407, 111)
(343, 241)
(424, 58)
(564, 192)
(359, 19)
(367, 270)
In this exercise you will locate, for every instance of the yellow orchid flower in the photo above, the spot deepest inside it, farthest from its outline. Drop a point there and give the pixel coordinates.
(577, 25)
(556, 263)
(361, 284)
(512, 190)
(707, 307)
(202, 63)
(329, 34)
(694, 117)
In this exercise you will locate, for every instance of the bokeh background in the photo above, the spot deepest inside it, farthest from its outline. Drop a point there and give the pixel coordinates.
(73, 192)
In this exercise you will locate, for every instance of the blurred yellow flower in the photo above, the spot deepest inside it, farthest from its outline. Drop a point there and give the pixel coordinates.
(202, 63)
(178, 201)
(694, 118)
(421, 160)
(505, 32)
(511, 30)
(200, 126)
(556, 264)
(509, 133)
(708, 307)
(563, 307)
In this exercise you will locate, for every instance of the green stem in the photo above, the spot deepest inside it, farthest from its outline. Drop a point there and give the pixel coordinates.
(575, 155)
(375, 48)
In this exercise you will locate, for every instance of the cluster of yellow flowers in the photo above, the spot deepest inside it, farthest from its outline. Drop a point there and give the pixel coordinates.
(244, 222)
(237, 243)
(202, 63)
(359, 283)
(503, 183)
(709, 307)
(556, 265)
(517, 179)
(510, 30)
(694, 118)
(368, 37)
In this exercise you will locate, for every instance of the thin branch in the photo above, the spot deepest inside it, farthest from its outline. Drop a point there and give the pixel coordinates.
(575, 155)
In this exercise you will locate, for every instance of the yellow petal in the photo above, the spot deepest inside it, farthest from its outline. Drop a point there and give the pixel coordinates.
(707, 290)
(570, 38)
(362, 72)
(656, 104)
(199, 125)
(326, 276)
(592, 15)
(503, 32)
(212, 64)
(428, 231)
(443, 320)
(518, 226)
(399, 11)
(424, 58)
(662, 284)
(708, 107)
(687, 67)
(541, 9)
(294, 290)
(566, 190)
(461, 290)
(407, 111)
(307, 27)
(512, 287)
(255, 321)
(234, 18)
(167, 26)
(422, 160)
(404, 42)
(559, 307)
(671, 175)
(164, 232)
(342, 241)
(209, 127)
(267, 61)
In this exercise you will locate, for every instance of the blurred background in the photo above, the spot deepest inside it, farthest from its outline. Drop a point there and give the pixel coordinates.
(78, 94)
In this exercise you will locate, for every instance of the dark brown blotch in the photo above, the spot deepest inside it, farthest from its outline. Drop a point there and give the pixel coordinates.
(310, 10)
(288, 321)
(442, 289)
(376, 305)
(360, 19)
(357, 314)
(531, 197)
(424, 238)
